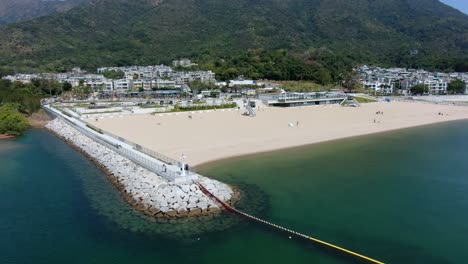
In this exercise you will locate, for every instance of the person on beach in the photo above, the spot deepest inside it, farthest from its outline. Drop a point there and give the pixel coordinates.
(297, 123)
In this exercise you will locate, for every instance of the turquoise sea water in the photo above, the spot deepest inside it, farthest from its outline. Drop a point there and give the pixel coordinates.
(400, 197)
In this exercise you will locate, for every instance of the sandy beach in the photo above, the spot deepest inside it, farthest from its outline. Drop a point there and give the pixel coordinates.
(5, 136)
(214, 135)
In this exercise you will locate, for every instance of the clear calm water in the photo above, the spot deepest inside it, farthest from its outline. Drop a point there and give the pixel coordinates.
(400, 197)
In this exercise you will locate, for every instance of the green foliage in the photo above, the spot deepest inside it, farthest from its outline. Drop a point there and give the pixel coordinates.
(27, 96)
(66, 86)
(4, 71)
(419, 33)
(364, 100)
(456, 87)
(12, 122)
(199, 86)
(82, 91)
(419, 89)
(115, 75)
(178, 108)
(320, 65)
(29, 9)
(303, 86)
(46, 86)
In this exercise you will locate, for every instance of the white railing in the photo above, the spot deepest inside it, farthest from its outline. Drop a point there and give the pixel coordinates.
(144, 162)
(138, 147)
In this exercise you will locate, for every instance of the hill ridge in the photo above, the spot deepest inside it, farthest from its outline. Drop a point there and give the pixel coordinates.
(413, 33)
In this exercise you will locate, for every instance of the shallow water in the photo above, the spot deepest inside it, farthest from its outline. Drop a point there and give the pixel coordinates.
(400, 197)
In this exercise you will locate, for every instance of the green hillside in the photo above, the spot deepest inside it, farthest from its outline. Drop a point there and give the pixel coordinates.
(417, 33)
(19, 10)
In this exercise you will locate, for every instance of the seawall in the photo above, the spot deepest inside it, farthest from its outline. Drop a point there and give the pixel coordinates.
(143, 189)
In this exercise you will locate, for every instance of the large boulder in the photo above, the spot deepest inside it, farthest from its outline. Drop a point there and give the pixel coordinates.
(202, 205)
(193, 199)
(185, 188)
(192, 205)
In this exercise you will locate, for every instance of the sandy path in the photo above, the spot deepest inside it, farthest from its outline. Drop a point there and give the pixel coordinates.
(221, 134)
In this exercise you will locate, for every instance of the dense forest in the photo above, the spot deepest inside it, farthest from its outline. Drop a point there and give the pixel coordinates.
(228, 36)
(18, 10)
(27, 96)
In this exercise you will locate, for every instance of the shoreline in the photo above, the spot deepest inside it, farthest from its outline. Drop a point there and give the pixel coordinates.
(144, 204)
(39, 119)
(217, 135)
(6, 136)
(307, 145)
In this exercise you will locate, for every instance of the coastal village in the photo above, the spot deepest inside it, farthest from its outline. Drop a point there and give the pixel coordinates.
(175, 80)
(218, 131)
(158, 176)
(124, 120)
(400, 80)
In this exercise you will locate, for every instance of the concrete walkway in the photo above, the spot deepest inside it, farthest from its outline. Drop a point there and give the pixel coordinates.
(172, 172)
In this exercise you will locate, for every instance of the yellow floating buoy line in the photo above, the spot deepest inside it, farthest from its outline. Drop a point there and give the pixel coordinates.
(234, 210)
(344, 250)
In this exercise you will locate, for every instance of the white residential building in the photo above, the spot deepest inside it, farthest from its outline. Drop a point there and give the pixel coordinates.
(187, 77)
(123, 85)
(436, 86)
(233, 83)
(183, 62)
(379, 87)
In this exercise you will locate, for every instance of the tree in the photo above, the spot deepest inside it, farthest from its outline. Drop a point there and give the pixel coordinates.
(46, 86)
(66, 86)
(5, 84)
(419, 89)
(199, 85)
(115, 75)
(456, 87)
(12, 122)
(5, 72)
(323, 76)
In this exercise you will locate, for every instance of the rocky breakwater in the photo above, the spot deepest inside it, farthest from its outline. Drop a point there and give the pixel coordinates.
(145, 190)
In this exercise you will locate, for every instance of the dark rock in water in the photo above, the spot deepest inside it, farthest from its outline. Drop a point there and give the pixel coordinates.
(171, 213)
(153, 211)
(182, 213)
(194, 212)
(141, 207)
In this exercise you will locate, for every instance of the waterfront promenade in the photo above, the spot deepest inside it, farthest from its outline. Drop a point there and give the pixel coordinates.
(153, 187)
(173, 171)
